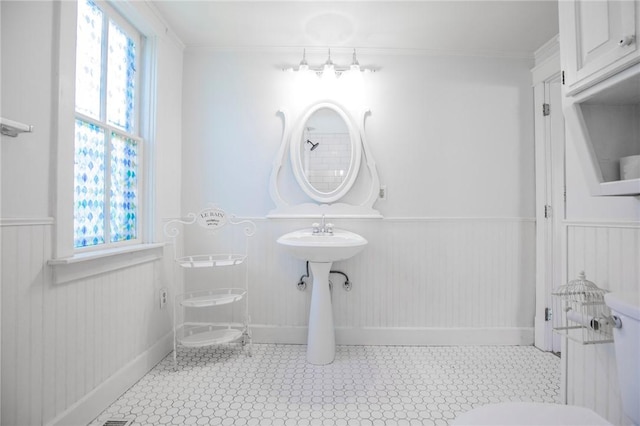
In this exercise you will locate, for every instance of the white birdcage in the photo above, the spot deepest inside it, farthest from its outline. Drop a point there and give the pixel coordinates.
(584, 316)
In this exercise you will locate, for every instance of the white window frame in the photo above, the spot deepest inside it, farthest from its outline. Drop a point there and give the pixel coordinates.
(62, 207)
(110, 14)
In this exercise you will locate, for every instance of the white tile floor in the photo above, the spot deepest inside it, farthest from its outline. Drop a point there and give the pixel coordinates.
(365, 385)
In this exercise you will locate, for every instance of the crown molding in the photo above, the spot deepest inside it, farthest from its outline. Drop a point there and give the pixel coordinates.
(360, 50)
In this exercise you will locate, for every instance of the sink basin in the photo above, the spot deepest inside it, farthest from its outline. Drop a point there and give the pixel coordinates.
(321, 250)
(306, 245)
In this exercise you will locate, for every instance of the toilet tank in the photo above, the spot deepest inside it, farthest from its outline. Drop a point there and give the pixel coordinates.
(626, 306)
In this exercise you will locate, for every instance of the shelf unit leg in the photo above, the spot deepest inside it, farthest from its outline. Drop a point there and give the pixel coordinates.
(175, 356)
(247, 342)
(175, 348)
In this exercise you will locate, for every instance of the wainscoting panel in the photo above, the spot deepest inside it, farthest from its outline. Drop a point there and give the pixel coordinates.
(24, 251)
(61, 342)
(609, 253)
(419, 276)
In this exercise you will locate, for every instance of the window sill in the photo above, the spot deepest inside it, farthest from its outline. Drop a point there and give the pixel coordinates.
(97, 262)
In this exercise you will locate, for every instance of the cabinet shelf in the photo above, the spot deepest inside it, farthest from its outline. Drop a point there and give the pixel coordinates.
(204, 298)
(210, 260)
(604, 121)
(620, 187)
(200, 335)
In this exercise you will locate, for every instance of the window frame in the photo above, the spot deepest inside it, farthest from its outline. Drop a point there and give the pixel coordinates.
(109, 14)
(64, 117)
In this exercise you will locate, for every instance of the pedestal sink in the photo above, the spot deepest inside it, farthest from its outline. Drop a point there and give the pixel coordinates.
(321, 250)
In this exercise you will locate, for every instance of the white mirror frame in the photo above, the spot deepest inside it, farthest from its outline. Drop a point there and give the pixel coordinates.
(296, 146)
(361, 205)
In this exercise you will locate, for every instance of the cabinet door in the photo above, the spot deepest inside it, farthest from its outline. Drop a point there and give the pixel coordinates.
(599, 38)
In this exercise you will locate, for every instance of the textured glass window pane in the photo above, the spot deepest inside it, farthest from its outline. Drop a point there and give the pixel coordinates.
(121, 74)
(124, 188)
(88, 58)
(89, 172)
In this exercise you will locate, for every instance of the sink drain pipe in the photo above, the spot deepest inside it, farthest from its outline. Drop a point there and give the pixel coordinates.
(302, 285)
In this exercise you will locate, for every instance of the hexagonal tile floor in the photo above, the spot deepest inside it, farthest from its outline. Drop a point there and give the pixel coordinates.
(365, 385)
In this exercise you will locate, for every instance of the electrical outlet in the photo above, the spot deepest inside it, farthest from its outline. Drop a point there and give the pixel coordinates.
(164, 295)
(382, 194)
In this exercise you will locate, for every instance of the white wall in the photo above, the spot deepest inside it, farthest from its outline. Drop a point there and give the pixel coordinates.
(27, 34)
(453, 141)
(453, 136)
(70, 348)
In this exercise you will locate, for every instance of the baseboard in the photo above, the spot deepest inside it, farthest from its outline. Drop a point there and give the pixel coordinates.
(401, 336)
(96, 401)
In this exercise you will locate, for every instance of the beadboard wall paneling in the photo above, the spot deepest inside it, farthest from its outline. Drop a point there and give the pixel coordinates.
(61, 342)
(24, 252)
(609, 253)
(415, 274)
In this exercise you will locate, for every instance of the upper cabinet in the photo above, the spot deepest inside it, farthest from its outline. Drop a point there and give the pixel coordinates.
(598, 39)
(601, 75)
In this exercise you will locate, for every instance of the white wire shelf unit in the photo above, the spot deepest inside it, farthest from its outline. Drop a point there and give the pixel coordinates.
(212, 314)
(204, 298)
(197, 335)
(210, 260)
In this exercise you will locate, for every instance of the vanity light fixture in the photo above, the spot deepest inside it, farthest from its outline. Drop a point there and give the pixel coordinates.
(329, 67)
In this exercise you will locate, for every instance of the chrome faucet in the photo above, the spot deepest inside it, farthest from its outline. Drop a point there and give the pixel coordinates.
(322, 227)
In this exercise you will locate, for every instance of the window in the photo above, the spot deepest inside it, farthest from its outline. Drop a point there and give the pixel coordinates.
(108, 148)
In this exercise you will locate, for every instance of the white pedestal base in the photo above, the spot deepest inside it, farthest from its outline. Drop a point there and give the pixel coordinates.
(321, 340)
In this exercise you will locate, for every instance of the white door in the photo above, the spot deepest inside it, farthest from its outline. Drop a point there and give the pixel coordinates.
(550, 207)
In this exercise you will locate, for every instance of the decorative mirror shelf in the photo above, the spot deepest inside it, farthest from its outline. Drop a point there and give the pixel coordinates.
(329, 164)
(604, 120)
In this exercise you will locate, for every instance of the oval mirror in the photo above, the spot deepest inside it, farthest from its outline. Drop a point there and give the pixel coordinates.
(325, 152)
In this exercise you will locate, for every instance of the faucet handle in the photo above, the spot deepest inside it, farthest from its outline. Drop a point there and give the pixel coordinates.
(316, 227)
(329, 228)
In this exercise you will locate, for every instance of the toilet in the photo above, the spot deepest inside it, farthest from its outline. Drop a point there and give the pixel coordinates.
(626, 308)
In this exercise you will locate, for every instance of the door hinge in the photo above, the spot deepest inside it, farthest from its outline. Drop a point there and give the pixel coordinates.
(562, 77)
(546, 109)
(548, 314)
(547, 211)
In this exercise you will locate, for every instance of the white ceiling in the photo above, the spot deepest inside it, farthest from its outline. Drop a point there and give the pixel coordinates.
(512, 27)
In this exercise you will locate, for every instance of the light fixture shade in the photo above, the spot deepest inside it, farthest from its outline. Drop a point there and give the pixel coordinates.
(329, 69)
(304, 66)
(355, 65)
(329, 72)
